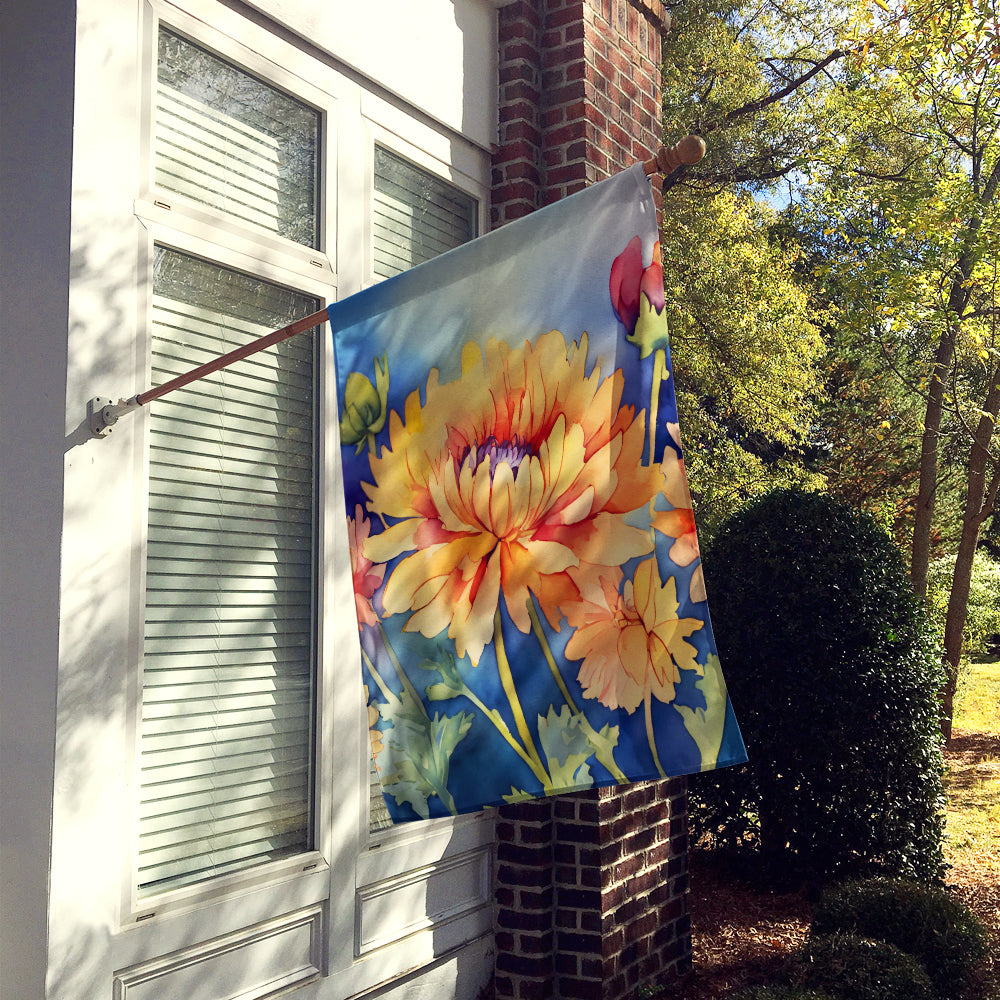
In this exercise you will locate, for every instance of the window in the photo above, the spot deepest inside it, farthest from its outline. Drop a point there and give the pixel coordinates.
(228, 679)
(228, 140)
(415, 215)
(222, 185)
(252, 803)
(229, 673)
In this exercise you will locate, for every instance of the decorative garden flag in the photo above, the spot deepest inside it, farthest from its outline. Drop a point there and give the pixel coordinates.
(529, 594)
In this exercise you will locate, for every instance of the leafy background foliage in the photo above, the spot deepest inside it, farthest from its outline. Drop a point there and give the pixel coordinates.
(982, 623)
(832, 267)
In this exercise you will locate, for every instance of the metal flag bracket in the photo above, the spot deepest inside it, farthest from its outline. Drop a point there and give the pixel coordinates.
(103, 413)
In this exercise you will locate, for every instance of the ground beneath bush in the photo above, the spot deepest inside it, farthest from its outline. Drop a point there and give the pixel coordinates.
(742, 935)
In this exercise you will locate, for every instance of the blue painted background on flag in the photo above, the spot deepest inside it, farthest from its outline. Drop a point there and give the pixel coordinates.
(530, 601)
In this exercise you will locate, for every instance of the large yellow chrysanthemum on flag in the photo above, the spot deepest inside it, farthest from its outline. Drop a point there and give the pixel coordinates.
(504, 479)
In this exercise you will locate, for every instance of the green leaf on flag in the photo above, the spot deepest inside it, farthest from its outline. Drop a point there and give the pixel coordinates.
(418, 753)
(706, 724)
(567, 748)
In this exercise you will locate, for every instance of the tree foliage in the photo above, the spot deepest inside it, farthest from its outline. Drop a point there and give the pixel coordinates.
(747, 349)
(912, 196)
(877, 124)
(747, 76)
(747, 355)
(982, 620)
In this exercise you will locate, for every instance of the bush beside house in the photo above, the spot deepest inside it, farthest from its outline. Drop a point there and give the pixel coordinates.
(926, 922)
(882, 939)
(833, 672)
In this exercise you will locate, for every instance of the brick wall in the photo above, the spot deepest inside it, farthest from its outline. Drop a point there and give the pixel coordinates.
(591, 889)
(591, 893)
(579, 96)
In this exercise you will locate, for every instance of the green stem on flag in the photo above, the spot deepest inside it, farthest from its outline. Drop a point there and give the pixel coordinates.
(602, 749)
(507, 680)
(387, 692)
(650, 736)
(659, 370)
(536, 626)
(446, 797)
(398, 667)
(490, 713)
(497, 719)
(390, 696)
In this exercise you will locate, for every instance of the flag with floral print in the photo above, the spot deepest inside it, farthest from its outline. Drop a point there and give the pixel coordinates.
(530, 602)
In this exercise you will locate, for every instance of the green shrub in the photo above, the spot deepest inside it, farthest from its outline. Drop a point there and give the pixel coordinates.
(856, 968)
(833, 673)
(926, 922)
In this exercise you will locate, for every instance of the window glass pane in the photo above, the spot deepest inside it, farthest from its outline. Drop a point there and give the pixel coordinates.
(416, 215)
(226, 139)
(228, 656)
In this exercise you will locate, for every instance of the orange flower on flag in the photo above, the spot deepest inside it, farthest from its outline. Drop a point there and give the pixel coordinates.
(367, 576)
(679, 522)
(632, 643)
(502, 481)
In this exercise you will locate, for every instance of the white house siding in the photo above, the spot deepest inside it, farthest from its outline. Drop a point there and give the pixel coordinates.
(36, 117)
(77, 224)
(396, 42)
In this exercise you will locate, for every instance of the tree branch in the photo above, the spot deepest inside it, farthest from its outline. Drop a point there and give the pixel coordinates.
(754, 106)
(901, 177)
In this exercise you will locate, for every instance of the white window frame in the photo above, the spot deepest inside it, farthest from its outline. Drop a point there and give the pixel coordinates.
(398, 135)
(180, 224)
(385, 125)
(138, 909)
(390, 858)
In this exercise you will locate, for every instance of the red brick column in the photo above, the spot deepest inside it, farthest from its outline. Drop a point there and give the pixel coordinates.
(591, 889)
(579, 96)
(525, 902)
(591, 893)
(517, 159)
(621, 916)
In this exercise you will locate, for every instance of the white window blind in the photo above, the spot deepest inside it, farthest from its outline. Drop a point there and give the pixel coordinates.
(228, 140)
(416, 216)
(226, 747)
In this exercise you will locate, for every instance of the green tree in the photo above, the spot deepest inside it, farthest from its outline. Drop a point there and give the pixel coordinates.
(912, 189)
(747, 77)
(878, 120)
(747, 357)
(866, 438)
(747, 351)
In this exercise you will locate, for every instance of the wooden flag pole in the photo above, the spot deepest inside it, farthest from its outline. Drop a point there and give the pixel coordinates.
(688, 151)
(260, 344)
(103, 413)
